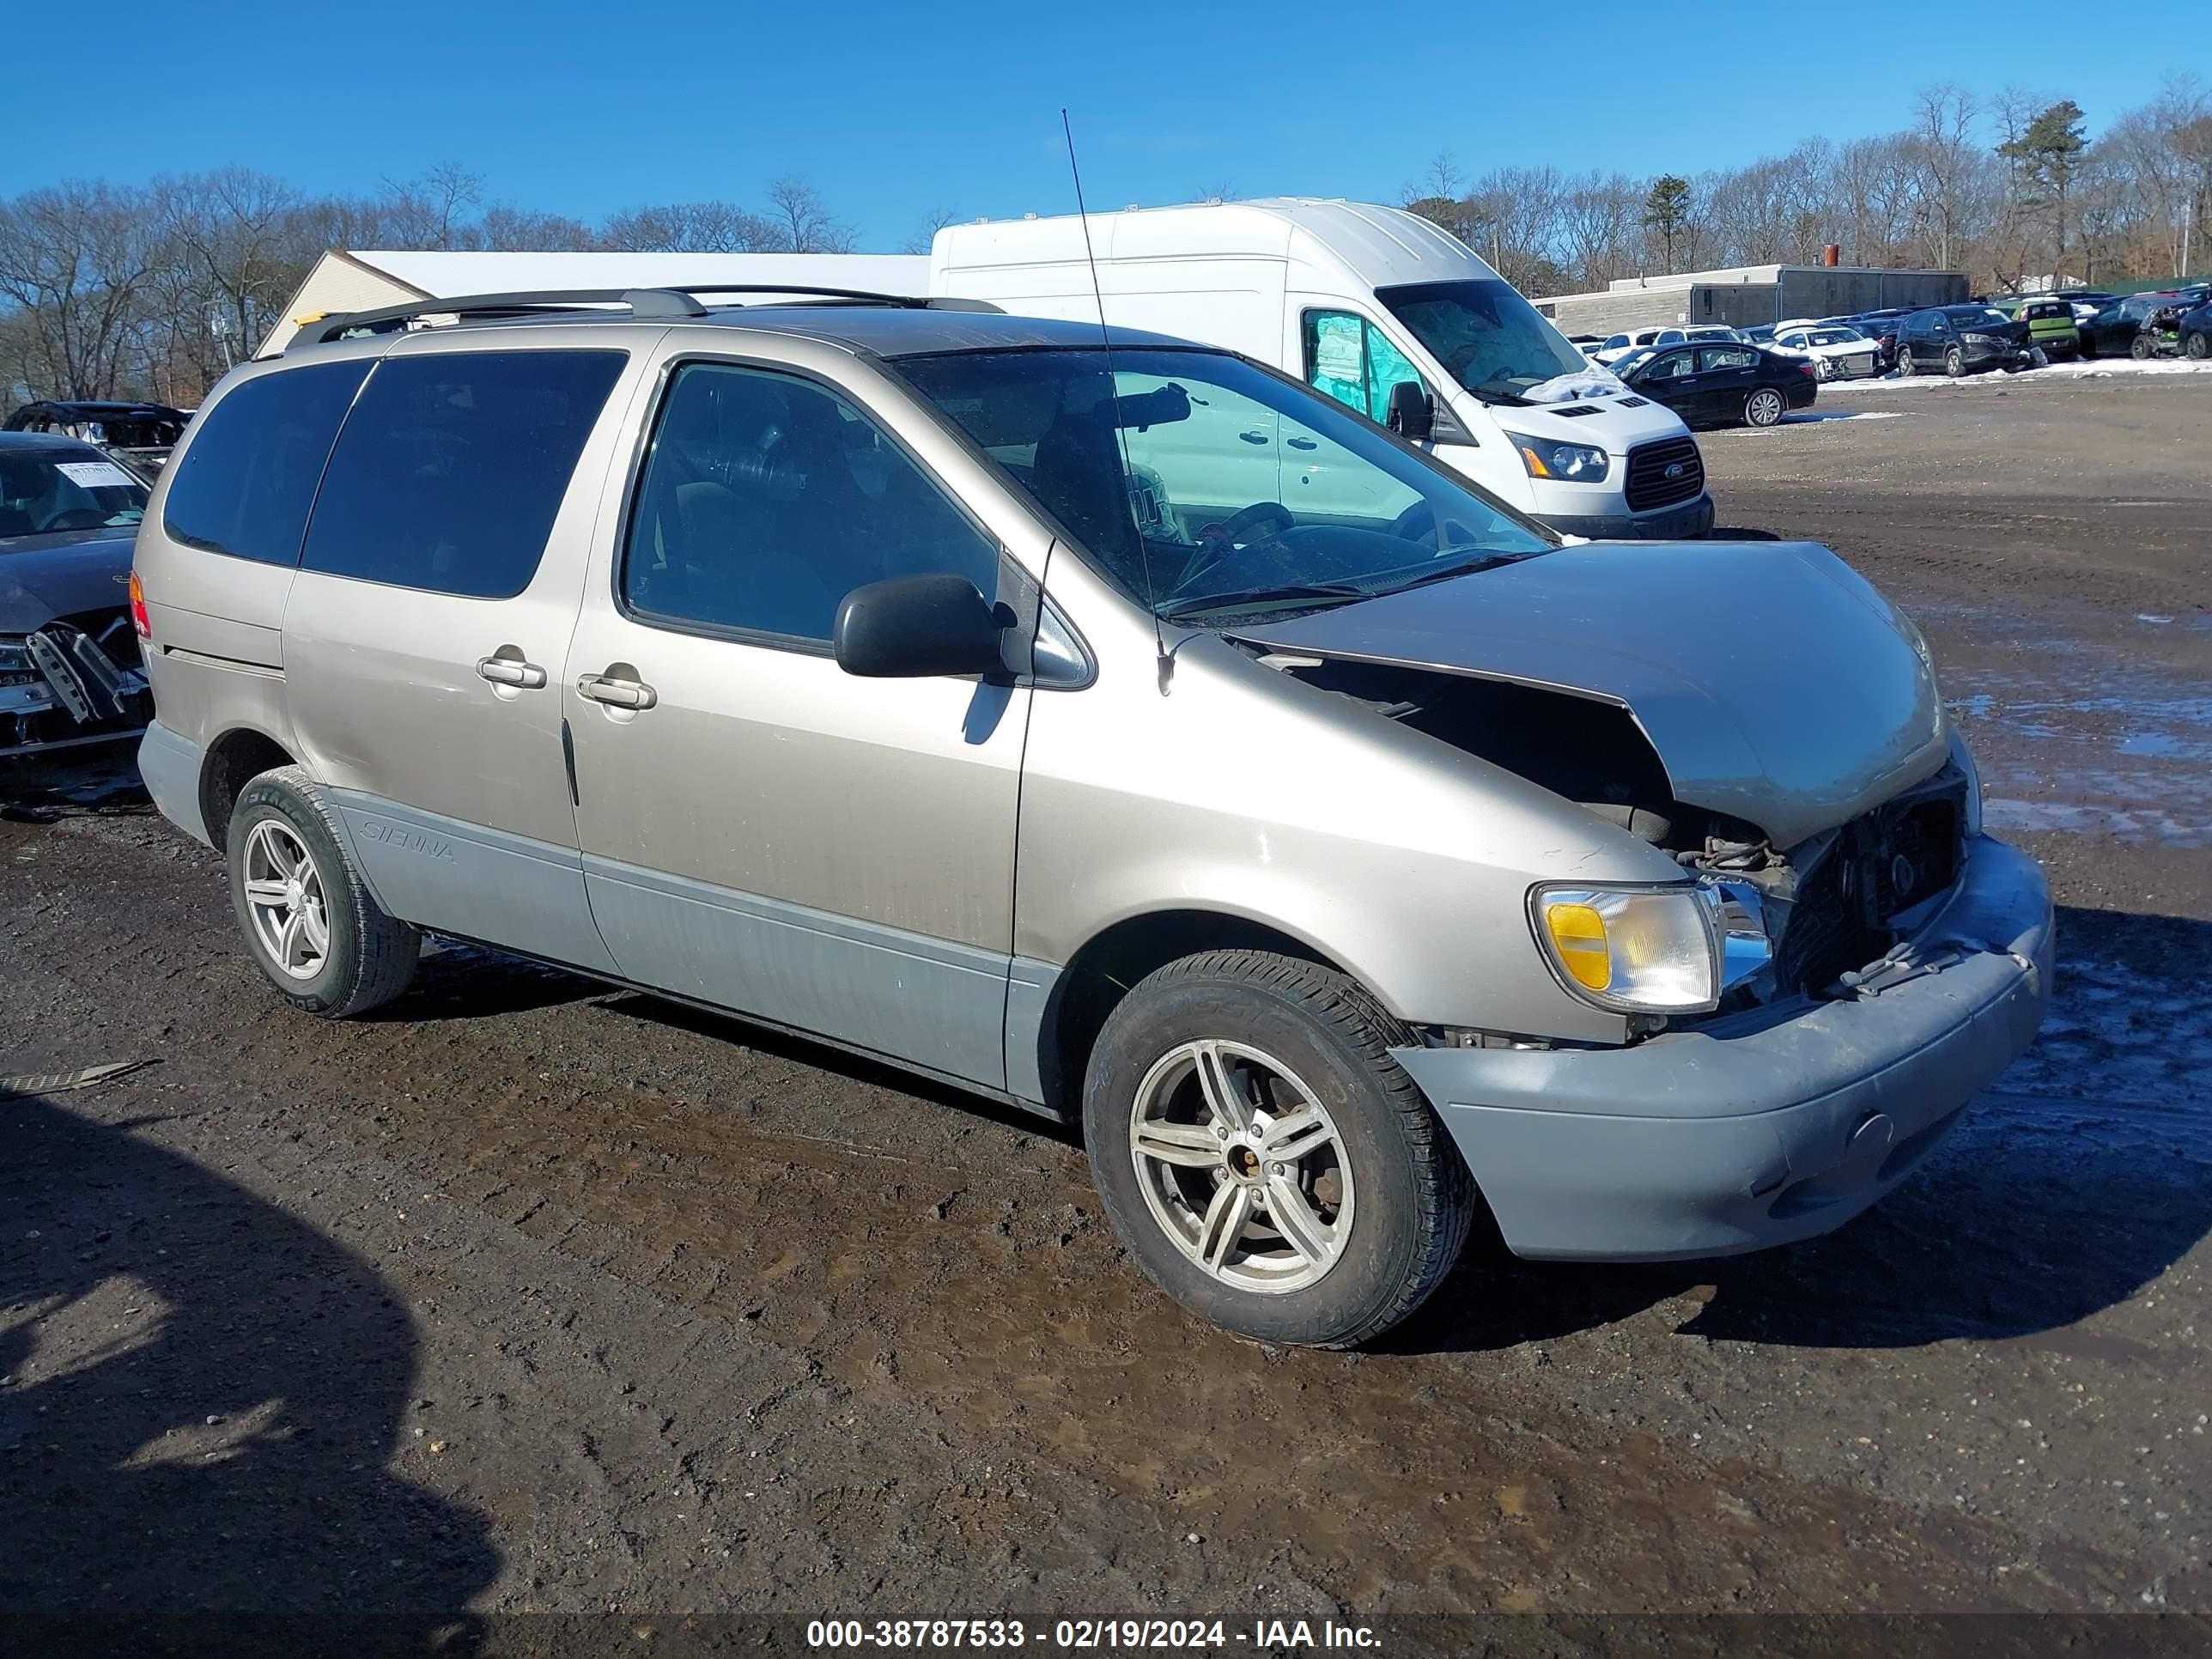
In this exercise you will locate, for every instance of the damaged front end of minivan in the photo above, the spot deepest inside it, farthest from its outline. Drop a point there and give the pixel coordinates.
(1858, 959)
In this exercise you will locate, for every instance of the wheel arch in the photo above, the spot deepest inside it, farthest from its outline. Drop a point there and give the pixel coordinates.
(233, 761)
(1110, 962)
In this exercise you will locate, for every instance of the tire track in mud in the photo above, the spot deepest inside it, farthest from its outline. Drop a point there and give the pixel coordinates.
(947, 1352)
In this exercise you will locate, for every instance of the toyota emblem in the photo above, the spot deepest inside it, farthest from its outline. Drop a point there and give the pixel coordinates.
(1675, 471)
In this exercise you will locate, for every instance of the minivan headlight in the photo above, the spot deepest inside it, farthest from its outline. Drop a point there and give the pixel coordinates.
(1638, 949)
(1547, 458)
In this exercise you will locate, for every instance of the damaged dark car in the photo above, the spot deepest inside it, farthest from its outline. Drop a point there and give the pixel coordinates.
(70, 668)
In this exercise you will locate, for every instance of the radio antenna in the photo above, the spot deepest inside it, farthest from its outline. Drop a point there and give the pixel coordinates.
(1121, 433)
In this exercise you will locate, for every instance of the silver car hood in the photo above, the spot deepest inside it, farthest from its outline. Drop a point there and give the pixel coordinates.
(1776, 685)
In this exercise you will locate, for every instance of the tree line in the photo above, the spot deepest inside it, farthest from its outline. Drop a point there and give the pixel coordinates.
(2015, 190)
(155, 290)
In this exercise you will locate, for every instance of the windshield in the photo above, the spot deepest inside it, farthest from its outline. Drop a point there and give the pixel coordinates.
(1837, 336)
(1488, 338)
(44, 492)
(1205, 487)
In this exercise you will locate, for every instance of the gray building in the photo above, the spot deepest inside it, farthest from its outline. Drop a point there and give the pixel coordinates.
(1749, 295)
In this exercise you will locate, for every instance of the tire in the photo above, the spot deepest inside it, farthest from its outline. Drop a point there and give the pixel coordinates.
(1765, 407)
(1245, 1027)
(2142, 348)
(2197, 347)
(365, 957)
(1906, 368)
(1954, 363)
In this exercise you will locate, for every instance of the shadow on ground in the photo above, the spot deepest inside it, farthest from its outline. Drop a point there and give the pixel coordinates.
(2082, 1176)
(199, 1399)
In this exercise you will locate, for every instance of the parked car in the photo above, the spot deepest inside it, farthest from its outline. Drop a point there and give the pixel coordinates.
(1880, 331)
(1618, 346)
(2158, 334)
(70, 669)
(140, 434)
(1342, 872)
(1836, 353)
(1716, 333)
(1720, 385)
(1761, 334)
(1961, 340)
(2194, 330)
(2112, 332)
(2051, 325)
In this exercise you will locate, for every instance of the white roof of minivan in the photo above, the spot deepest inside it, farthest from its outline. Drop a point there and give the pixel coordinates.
(1384, 246)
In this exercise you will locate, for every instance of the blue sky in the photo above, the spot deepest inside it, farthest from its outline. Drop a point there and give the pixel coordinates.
(894, 109)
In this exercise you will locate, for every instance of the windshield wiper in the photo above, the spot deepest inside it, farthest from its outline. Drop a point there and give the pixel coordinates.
(1485, 393)
(1252, 598)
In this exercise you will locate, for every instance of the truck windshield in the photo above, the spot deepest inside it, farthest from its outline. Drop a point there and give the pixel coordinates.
(1206, 487)
(1488, 338)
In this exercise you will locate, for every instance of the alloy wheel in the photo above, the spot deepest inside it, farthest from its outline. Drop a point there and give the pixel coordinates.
(1242, 1166)
(284, 896)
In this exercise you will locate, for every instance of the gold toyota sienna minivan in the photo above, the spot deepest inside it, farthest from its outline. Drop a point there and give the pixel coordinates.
(1108, 725)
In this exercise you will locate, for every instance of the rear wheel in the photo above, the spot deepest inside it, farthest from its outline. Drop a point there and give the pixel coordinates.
(2198, 346)
(1266, 1161)
(310, 922)
(1765, 407)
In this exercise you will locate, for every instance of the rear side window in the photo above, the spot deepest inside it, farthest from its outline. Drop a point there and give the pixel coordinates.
(248, 476)
(453, 465)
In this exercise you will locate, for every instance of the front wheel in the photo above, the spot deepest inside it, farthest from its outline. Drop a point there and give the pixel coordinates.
(1764, 407)
(2142, 348)
(1954, 362)
(1906, 368)
(1265, 1160)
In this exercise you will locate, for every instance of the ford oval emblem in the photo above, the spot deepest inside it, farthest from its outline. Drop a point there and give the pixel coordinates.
(1676, 470)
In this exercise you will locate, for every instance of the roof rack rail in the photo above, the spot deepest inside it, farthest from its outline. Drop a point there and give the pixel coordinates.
(663, 302)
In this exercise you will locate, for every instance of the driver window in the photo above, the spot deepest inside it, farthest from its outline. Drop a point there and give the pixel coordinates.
(1674, 366)
(765, 499)
(1353, 361)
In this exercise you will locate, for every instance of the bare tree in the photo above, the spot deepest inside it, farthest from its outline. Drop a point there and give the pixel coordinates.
(804, 219)
(693, 227)
(924, 234)
(77, 259)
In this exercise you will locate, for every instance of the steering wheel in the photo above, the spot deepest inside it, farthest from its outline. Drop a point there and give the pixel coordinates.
(1418, 523)
(1216, 541)
(77, 518)
(1238, 530)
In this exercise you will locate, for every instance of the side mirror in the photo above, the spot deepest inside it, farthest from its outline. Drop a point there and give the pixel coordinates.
(918, 628)
(1411, 415)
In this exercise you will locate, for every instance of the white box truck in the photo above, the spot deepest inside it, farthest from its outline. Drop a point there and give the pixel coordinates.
(1358, 299)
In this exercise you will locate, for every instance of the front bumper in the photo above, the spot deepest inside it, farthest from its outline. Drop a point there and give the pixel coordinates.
(70, 689)
(1757, 1128)
(1685, 522)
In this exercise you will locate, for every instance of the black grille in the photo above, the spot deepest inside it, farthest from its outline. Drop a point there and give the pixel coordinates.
(1649, 466)
(1877, 865)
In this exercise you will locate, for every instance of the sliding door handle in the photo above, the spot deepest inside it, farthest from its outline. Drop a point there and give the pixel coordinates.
(510, 671)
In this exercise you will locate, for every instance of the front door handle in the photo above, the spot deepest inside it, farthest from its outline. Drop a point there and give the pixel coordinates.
(617, 693)
(1253, 437)
(510, 671)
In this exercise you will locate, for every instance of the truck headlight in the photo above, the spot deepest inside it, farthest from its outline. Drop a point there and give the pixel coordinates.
(1638, 949)
(1547, 458)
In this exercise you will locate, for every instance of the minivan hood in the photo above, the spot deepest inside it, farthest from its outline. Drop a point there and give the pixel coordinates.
(1775, 683)
(42, 577)
(1614, 421)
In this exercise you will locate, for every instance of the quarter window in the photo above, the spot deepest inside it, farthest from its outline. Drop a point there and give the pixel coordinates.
(452, 466)
(1353, 361)
(765, 499)
(248, 477)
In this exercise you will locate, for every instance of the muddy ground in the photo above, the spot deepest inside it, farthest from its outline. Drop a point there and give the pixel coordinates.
(530, 1295)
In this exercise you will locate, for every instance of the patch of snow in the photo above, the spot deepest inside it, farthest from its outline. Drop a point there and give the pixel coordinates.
(2096, 369)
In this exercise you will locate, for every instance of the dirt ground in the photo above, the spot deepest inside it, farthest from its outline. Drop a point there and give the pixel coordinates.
(529, 1295)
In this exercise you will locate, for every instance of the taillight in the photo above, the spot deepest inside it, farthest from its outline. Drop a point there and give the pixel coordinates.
(1807, 368)
(141, 623)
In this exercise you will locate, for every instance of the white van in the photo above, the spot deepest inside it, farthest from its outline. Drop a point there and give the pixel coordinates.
(1358, 299)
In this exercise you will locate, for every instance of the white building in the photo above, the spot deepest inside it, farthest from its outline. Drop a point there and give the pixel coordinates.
(346, 279)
